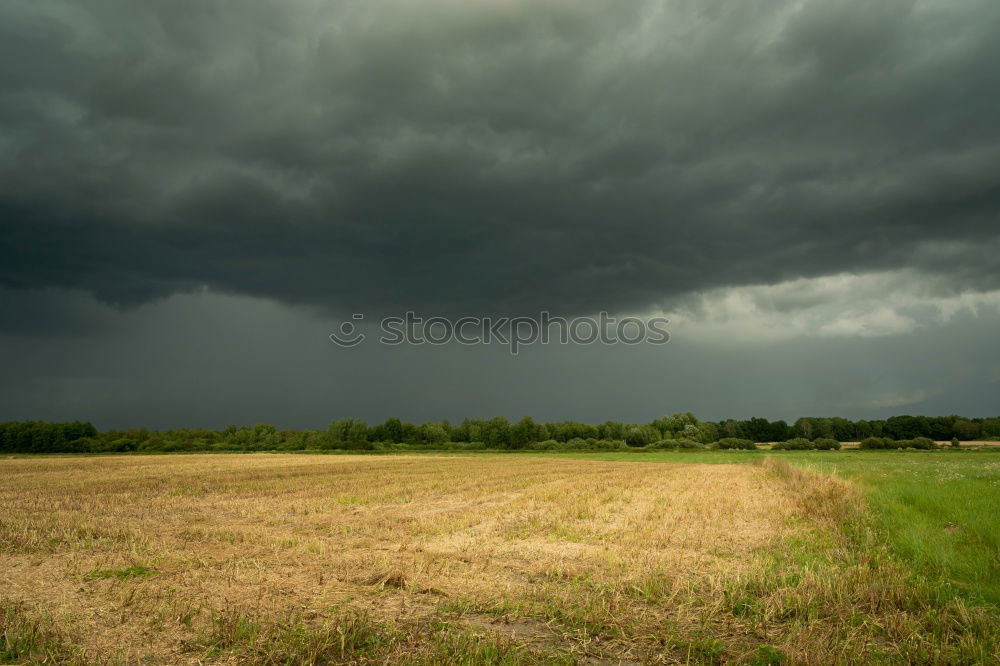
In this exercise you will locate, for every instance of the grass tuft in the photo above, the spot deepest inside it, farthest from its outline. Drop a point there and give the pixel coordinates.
(134, 571)
(26, 637)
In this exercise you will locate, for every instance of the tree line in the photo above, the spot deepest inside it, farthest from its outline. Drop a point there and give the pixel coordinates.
(681, 430)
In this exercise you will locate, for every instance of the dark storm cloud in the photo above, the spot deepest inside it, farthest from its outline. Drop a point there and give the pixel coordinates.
(494, 156)
(206, 359)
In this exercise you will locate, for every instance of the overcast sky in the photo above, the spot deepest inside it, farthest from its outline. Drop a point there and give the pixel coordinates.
(195, 193)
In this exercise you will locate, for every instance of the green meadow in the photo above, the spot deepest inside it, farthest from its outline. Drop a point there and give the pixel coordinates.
(939, 511)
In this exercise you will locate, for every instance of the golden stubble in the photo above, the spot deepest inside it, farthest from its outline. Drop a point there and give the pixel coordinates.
(392, 536)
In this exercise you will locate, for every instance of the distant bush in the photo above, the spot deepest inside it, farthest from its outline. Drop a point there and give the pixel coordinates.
(803, 444)
(120, 445)
(955, 443)
(728, 443)
(179, 446)
(357, 446)
(796, 444)
(917, 443)
(444, 446)
(592, 444)
(84, 445)
(878, 443)
(676, 444)
(549, 445)
(642, 435)
(889, 443)
(579, 444)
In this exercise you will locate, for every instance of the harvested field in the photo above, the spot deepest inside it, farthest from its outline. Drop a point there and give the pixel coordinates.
(316, 559)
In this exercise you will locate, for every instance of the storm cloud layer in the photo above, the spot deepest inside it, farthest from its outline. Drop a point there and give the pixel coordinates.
(497, 156)
(195, 193)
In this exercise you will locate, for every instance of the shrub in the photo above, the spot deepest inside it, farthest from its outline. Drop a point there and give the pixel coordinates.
(955, 443)
(120, 446)
(734, 443)
(889, 443)
(877, 443)
(579, 444)
(676, 444)
(357, 446)
(84, 445)
(918, 443)
(641, 435)
(606, 444)
(796, 444)
(803, 444)
(468, 446)
(177, 445)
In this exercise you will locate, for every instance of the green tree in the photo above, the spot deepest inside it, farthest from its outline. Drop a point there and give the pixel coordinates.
(348, 431)
(432, 433)
(496, 433)
(611, 430)
(525, 432)
(392, 430)
(638, 435)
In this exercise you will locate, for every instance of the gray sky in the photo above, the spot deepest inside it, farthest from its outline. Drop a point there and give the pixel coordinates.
(194, 193)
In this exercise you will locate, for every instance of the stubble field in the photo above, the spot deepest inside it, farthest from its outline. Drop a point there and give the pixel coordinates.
(275, 559)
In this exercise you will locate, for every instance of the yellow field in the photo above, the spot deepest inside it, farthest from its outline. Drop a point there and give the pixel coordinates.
(298, 559)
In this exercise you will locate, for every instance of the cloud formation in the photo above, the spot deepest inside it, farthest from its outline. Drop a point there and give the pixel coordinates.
(499, 156)
(206, 359)
(866, 305)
